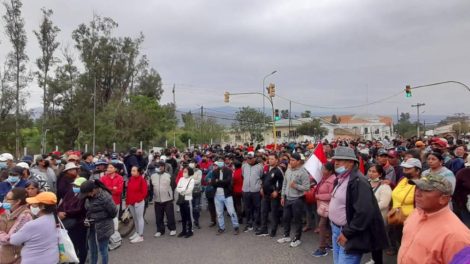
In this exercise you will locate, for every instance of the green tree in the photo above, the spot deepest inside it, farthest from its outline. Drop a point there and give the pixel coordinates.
(250, 120)
(17, 58)
(306, 114)
(312, 128)
(335, 119)
(46, 36)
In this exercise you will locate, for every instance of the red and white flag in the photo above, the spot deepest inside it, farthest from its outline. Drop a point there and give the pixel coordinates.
(315, 162)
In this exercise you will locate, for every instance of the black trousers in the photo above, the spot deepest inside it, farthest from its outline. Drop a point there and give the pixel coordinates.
(78, 235)
(270, 207)
(162, 209)
(186, 223)
(293, 212)
(211, 207)
(237, 202)
(377, 257)
(252, 201)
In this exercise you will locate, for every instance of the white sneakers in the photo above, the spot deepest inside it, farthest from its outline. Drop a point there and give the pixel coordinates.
(295, 243)
(133, 236)
(283, 240)
(138, 239)
(173, 233)
(158, 234)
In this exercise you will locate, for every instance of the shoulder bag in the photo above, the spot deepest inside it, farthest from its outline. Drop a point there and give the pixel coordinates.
(181, 199)
(396, 216)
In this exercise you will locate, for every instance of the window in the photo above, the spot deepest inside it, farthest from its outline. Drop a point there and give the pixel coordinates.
(278, 134)
(366, 130)
(293, 134)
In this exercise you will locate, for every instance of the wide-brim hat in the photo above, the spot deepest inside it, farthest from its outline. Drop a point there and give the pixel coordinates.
(345, 153)
(70, 166)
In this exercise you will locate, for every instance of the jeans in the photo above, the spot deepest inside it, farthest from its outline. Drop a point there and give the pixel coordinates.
(186, 223)
(162, 209)
(268, 205)
(137, 211)
(196, 208)
(97, 246)
(293, 211)
(220, 201)
(339, 254)
(252, 202)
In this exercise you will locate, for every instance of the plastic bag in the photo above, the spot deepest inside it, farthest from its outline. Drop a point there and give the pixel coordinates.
(67, 252)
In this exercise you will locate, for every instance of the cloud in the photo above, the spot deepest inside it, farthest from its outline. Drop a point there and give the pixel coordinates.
(333, 53)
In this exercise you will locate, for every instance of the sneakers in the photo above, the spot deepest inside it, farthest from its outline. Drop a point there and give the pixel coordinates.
(272, 234)
(248, 229)
(158, 234)
(236, 231)
(138, 239)
(370, 262)
(295, 243)
(182, 234)
(330, 248)
(196, 225)
(320, 253)
(133, 236)
(212, 224)
(262, 233)
(220, 232)
(190, 234)
(173, 233)
(284, 240)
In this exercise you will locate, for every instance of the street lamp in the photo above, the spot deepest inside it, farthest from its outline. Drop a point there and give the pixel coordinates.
(264, 88)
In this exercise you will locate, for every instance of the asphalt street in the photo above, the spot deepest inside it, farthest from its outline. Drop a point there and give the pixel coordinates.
(205, 247)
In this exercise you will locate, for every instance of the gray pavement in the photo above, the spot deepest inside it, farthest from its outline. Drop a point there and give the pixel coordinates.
(205, 247)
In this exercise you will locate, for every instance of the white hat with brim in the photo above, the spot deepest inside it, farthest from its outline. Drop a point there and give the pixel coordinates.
(70, 166)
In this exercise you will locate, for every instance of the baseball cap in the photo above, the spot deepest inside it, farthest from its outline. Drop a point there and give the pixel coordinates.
(250, 155)
(419, 144)
(411, 163)
(441, 142)
(296, 156)
(433, 182)
(85, 188)
(43, 198)
(79, 181)
(382, 152)
(23, 165)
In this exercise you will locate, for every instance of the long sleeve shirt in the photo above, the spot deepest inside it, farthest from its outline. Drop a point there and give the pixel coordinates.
(301, 178)
(136, 190)
(185, 187)
(115, 184)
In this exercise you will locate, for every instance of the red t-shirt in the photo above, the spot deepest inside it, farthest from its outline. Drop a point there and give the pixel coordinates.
(136, 190)
(237, 181)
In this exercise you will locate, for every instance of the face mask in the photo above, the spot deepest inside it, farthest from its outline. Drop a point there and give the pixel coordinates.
(157, 170)
(35, 210)
(340, 170)
(7, 206)
(76, 189)
(374, 180)
(192, 165)
(219, 164)
(13, 179)
(3, 165)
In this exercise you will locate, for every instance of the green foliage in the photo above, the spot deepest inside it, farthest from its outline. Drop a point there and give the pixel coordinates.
(312, 129)
(335, 119)
(405, 127)
(201, 130)
(306, 114)
(249, 120)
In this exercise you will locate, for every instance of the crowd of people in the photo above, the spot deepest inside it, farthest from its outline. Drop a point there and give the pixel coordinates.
(405, 198)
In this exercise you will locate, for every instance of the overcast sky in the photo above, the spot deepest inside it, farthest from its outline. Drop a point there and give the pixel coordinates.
(330, 53)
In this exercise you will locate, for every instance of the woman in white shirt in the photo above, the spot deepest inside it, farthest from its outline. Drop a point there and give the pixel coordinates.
(185, 189)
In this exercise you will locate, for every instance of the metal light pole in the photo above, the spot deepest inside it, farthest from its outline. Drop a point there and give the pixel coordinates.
(418, 105)
(94, 113)
(264, 88)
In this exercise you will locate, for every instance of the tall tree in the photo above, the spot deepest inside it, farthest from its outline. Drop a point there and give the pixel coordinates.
(335, 119)
(306, 114)
(312, 128)
(17, 58)
(46, 36)
(250, 120)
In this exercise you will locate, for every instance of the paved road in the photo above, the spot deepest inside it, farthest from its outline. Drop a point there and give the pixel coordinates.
(205, 247)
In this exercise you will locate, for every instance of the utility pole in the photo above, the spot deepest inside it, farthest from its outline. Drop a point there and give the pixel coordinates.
(201, 122)
(174, 130)
(94, 112)
(418, 105)
(290, 109)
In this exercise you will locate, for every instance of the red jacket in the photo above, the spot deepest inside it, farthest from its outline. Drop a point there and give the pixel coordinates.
(237, 181)
(136, 190)
(179, 176)
(115, 185)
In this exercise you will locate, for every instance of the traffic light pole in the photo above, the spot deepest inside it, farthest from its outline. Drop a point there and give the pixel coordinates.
(270, 99)
(439, 83)
(418, 105)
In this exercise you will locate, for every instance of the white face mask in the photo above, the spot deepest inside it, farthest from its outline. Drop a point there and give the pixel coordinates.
(185, 174)
(192, 165)
(35, 210)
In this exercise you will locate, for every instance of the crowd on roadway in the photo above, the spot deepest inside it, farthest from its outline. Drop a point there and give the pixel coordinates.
(408, 198)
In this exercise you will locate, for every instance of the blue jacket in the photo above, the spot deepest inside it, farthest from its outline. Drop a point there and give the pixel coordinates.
(5, 187)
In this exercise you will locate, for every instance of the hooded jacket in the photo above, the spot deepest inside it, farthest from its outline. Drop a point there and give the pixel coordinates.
(101, 209)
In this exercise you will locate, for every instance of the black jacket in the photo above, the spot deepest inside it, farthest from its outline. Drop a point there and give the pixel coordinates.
(365, 229)
(101, 209)
(226, 181)
(272, 181)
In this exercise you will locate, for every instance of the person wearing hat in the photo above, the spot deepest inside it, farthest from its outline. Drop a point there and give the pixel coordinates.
(252, 172)
(16, 216)
(296, 182)
(9, 159)
(432, 233)
(441, 145)
(64, 183)
(99, 169)
(14, 180)
(356, 221)
(160, 183)
(72, 213)
(403, 200)
(100, 212)
(383, 160)
(43, 171)
(39, 237)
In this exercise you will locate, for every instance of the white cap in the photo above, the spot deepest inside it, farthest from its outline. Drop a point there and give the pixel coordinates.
(163, 157)
(23, 165)
(7, 156)
(412, 163)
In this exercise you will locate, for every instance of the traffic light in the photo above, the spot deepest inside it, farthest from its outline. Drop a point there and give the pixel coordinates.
(408, 91)
(271, 90)
(276, 115)
(226, 97)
